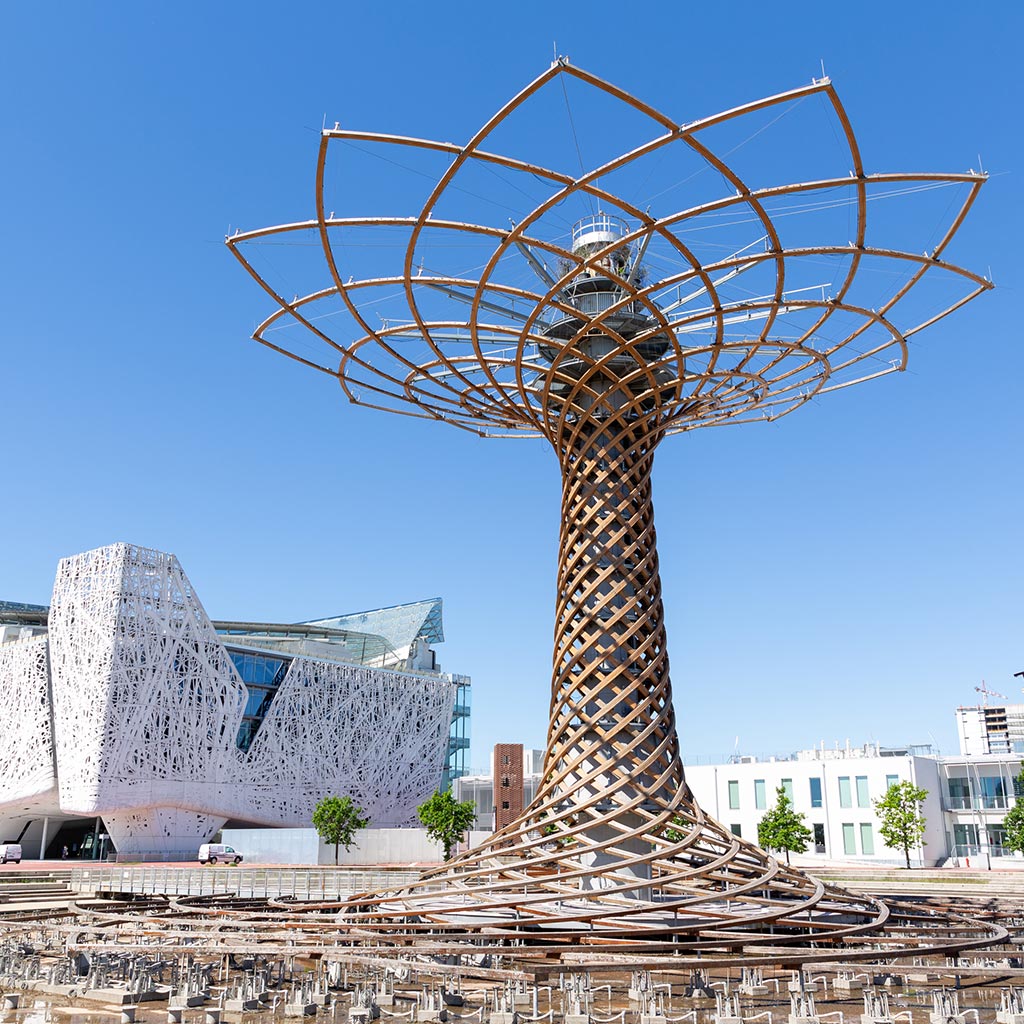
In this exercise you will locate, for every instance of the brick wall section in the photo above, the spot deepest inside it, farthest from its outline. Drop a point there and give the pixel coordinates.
(507, 771)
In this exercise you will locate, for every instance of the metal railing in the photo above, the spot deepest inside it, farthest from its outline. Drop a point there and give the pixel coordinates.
(255, 882)
(600, 223)
(979, 849)
(977, 803)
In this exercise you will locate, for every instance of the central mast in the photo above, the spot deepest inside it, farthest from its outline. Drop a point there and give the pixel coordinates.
(612, 751)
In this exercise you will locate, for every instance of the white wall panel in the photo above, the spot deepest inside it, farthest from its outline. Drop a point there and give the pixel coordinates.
(26, 733)
(147, 705)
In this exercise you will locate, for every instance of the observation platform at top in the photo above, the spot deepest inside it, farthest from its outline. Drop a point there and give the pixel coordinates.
(598, 229)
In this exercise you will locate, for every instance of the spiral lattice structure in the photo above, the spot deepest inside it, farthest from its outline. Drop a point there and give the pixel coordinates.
(604, 336)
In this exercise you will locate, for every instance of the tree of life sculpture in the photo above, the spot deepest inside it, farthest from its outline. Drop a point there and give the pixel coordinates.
(604, 336)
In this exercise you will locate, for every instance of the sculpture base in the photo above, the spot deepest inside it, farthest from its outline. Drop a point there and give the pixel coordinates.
(702, 897)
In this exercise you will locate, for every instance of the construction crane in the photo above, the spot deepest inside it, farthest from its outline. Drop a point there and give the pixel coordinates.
(986, 693)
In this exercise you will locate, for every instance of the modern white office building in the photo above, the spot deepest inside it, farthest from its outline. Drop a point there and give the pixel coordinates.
(134, 723)
(835, 790)
(990, 729)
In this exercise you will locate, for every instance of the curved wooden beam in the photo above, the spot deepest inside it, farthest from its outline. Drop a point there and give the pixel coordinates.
(614, 850)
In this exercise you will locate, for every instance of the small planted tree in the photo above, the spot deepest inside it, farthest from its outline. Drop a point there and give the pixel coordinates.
(783, 828)
(1013, 823)
(899, 811)
(446, 819)
(337, 820)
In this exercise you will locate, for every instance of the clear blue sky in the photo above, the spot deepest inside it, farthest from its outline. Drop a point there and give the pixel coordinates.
(852, 571)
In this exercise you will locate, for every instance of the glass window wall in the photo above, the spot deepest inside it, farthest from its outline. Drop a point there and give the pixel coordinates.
(992, 792)
(263, 676)
(959, 793)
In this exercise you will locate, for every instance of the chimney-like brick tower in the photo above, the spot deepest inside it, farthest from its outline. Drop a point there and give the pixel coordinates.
(507, 771)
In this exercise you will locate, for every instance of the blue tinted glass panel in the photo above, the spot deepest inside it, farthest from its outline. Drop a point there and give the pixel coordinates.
(262, 675)
(458, 736)
(815, 792)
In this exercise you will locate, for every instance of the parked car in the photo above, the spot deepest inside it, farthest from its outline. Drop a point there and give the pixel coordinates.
(211, 853)
(10, 851)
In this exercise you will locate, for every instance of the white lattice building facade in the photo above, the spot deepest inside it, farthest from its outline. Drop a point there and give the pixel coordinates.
(135, 710)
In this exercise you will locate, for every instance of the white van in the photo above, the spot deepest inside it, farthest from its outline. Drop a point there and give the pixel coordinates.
(10, 851)
(211, 853)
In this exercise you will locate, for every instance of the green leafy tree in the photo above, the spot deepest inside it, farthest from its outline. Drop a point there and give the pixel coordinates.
(551, 829)
(1013, 823)
(899, 811)
(674, 833)
(337, 819)
(782, 828)
(446, 819)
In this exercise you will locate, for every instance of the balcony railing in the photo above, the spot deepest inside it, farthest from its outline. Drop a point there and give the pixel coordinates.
(979, 849)
(978, 803)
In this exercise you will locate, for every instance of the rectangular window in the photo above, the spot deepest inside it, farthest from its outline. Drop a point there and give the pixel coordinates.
(867, 840)
(760, 801)
(734, 795)
(787, 786)
(993, 795)
(863, 800)
(845, 799)
(819, 838)
(965, 838)
(736, 830)
(849, 840)
(996, 837)
(815, 792)
(891, 780)
(959, 793)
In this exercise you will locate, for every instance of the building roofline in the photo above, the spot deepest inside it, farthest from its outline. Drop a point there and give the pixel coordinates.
(371, 611)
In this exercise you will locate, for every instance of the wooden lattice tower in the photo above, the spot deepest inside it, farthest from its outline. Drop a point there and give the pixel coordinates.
(625, 331)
